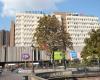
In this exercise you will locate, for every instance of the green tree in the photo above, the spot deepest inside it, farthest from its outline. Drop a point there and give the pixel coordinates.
(92, 47)
(50, 33)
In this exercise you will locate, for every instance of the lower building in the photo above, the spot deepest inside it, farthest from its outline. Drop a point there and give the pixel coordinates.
(4, 38)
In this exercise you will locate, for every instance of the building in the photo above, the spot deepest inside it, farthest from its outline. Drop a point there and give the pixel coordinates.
(78, 25)
(25, 27)
(16, 54)
(12, 34)
(4, 38)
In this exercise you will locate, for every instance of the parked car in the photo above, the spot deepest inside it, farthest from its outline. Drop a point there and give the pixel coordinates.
(21, 70)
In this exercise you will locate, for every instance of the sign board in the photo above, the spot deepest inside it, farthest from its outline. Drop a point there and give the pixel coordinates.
(58, 55)
(73, 54)
(25, 56)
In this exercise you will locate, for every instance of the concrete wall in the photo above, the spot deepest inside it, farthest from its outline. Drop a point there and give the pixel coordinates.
(13, 54)
(36, 78)
(2, 54)
(89, 78)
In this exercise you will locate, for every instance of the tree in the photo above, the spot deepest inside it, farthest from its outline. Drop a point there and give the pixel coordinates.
(50, 34)
(92, 47)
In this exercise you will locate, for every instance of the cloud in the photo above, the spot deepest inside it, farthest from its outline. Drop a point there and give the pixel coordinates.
(10, 7)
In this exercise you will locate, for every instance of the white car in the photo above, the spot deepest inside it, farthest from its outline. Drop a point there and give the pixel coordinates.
(24, 71)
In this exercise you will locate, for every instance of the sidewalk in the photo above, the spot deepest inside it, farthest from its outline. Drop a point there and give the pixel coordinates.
(54, 70)
(49, 70)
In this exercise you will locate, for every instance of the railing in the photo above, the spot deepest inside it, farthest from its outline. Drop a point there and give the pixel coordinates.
(71, 73)
(33, 77)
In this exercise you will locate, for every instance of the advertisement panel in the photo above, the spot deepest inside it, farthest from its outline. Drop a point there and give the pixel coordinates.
(73, 54)
(25, 56)
(58, 55)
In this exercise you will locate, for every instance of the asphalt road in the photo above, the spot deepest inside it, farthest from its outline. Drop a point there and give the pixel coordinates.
(7, 75)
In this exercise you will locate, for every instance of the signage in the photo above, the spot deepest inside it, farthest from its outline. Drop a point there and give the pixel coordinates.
(73, 54)
(25, 56)
(58, 55)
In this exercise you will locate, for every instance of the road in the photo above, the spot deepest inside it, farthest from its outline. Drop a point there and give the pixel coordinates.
(7, 75)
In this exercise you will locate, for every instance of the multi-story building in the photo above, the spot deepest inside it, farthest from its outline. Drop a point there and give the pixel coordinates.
(78, 25)
(12, 34)
(25, 27)
(4, 38)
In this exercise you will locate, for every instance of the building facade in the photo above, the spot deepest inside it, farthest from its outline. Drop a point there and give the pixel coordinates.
(79, 25)
(15, 54)
(4, 38)
(12, 34)
(25, 27)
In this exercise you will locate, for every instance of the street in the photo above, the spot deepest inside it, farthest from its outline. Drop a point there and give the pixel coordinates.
(7, 75)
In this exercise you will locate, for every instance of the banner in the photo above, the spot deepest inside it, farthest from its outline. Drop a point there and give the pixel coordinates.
(58, 55)
(73, 55)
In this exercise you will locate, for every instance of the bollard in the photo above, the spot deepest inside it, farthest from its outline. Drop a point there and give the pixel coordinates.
(25, 78)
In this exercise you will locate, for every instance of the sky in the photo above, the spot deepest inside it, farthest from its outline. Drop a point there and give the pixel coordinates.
(8, 8)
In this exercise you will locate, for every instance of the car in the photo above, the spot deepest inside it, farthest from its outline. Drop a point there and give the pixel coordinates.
(21, 70)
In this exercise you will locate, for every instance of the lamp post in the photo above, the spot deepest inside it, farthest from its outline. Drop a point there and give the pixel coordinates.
(32, 58)
(54, 49)
(64, 59)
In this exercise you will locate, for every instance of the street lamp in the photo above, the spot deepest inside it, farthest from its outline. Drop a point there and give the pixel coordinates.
(32, 57)
(54, 49)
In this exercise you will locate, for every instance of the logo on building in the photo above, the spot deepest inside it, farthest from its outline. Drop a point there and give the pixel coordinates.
(25, 56)
(73, 55)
